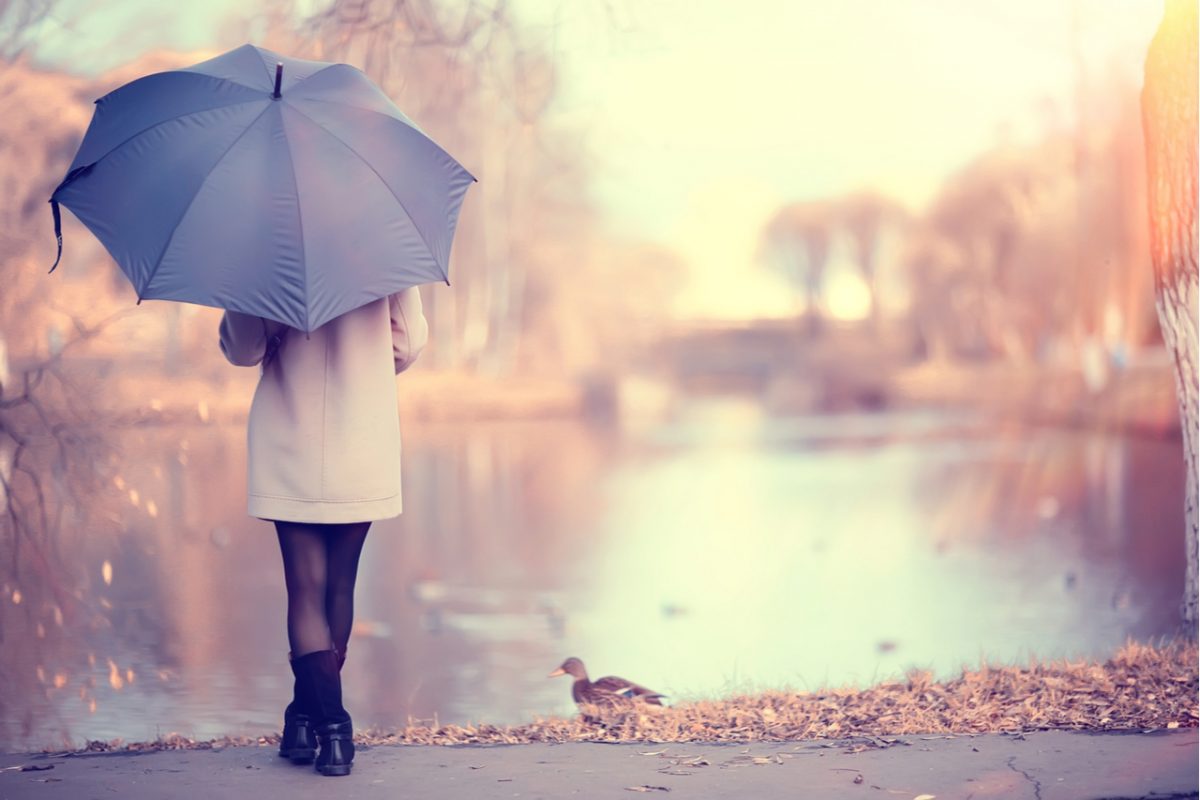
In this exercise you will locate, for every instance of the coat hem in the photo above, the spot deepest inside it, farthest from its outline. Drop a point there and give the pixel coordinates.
(292, 509)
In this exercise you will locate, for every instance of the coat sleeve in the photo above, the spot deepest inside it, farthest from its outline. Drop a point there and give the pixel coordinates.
(410, 330)
(244, 337)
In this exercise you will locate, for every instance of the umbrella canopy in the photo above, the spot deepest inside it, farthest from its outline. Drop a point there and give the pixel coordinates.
(289, 189)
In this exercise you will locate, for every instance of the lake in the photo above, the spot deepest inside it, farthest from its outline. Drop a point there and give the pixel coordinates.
(711, 550)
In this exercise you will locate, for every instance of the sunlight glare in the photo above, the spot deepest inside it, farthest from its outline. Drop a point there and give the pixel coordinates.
(846, 296)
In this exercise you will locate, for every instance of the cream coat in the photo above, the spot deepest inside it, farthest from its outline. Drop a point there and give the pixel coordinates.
(324, 430)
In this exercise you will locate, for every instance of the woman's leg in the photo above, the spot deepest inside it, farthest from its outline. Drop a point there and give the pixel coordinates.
(305, 571)
(344, 544)
(319, 565)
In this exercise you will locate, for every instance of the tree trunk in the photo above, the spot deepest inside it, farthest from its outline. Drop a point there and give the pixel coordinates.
(1169, 117)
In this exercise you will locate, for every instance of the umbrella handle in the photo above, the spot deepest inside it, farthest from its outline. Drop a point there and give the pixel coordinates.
(278, 78)
(57, 231)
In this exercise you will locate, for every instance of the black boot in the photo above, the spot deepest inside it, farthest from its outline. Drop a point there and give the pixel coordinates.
(297, 742)
(318, 675)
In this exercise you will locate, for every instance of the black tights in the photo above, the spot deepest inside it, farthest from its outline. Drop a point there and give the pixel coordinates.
(320, 563)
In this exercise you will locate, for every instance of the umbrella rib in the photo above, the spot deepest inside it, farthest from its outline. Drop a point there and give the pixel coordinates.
(371, 167)
(145, 130)
(220, 78)
(402, 121)
(312, 75)
(299, 219)
(167, 246)
(406, 122)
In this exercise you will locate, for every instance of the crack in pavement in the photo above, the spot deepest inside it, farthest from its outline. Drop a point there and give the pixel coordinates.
(1037, 786)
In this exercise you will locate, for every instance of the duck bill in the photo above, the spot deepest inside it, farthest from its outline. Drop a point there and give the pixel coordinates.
(557, 672)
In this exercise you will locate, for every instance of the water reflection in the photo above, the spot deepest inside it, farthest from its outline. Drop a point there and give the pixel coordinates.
(721, 549)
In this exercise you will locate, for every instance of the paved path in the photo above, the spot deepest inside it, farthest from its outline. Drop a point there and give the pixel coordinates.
(1040, 766)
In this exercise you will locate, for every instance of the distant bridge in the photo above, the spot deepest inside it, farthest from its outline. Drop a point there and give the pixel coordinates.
(842, 362)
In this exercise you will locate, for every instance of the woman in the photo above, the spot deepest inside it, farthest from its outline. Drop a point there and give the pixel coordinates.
(323, 463)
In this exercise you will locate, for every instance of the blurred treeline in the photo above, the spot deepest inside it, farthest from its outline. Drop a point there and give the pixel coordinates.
(1035, 251)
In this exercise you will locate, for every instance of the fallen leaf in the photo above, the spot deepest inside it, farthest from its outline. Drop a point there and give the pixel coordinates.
(1172, 725)
(647, 788)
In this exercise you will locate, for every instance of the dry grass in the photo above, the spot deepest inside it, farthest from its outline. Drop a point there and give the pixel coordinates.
(1141, 688)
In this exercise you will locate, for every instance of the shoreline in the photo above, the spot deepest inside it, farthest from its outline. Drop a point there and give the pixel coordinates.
(1139, 402)
(1142, 688)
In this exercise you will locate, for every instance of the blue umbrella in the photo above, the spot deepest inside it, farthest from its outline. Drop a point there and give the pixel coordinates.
(289, 189)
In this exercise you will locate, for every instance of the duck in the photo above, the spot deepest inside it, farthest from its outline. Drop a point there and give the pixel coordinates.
(609, 690)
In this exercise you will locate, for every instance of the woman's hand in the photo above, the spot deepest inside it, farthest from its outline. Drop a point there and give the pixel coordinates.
(410, 329)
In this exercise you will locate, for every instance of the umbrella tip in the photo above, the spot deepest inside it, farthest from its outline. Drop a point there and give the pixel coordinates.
(278, 78)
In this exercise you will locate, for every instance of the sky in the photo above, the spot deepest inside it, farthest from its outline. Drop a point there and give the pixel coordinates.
(703, 116)
(706, 121)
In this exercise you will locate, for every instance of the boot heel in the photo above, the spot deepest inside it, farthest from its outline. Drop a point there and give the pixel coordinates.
(303, 751)
(336, 753)
(297, 756)
(334, 770)
(298, 743)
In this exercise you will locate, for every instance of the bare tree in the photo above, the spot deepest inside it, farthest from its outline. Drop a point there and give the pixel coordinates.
(18, 18)
(1169, 114)
(943, 303)
(797, 242)
(867, 217)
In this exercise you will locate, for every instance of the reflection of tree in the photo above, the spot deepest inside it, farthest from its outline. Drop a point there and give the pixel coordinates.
(1170, 117)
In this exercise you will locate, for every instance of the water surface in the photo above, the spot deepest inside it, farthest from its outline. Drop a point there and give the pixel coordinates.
(716, 550)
